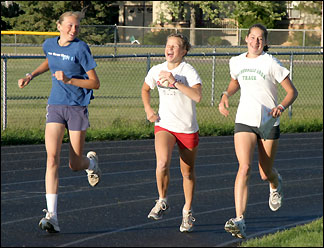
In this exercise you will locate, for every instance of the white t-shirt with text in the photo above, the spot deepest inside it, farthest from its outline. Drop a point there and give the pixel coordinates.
(258, 78)
(177, 111)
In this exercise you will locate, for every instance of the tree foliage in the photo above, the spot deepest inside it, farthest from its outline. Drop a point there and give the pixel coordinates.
(42, 16)
(267, 13)
(245, 13)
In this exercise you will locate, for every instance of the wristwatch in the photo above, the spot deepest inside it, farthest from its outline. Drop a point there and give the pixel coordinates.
(29, 75)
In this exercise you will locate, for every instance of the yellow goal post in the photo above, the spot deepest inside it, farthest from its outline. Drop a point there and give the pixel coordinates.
(30, 33)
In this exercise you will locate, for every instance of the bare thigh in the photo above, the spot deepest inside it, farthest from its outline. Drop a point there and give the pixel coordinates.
(164, 144)
(244, 147)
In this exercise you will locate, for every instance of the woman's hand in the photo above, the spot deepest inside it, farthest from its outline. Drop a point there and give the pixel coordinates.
(59, 75)
(276, 112)
(152, 116)
(166, 76)
(23, 82)
(223, 106)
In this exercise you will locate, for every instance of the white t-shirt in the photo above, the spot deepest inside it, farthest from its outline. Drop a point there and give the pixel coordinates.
(258, 78)
(176, 110)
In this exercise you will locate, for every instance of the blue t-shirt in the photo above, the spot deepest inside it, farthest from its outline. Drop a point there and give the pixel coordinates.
(74, 60)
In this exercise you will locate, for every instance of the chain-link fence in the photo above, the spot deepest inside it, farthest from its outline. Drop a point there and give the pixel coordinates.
(114, 34)
(118, 101)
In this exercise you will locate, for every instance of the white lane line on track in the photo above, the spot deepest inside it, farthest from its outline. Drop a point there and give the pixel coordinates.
(170, 219)
(112, 145)
(154, 198)
(153, 159)
(148, 170)
(201, 147)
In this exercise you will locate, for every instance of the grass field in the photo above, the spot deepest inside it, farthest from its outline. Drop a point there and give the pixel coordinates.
(308, 235)
(119, 97)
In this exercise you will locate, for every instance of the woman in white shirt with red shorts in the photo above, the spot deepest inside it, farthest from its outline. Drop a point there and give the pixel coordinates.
(180, 88)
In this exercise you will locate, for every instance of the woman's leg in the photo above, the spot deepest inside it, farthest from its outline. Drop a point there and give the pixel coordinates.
(187, 165)
(164, 144)
(267, 150)
(244, 147)
(54, 133)
(77, 161)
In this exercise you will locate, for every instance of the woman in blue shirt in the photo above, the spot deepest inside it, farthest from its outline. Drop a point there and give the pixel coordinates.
(73, 80)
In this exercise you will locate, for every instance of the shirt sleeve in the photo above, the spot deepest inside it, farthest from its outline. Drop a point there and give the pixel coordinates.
(232, 68)
(192, 76)
(278, 71)
(149, 79)
(85, 57)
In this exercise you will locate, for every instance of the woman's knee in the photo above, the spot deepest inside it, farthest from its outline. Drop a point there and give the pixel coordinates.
(162, 165)
(244, 170)
(52, 162)
(188, 174)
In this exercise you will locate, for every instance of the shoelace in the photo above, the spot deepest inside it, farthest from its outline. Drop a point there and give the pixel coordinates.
(188, 219)
(275, 196)
(48, 214)
(160, 205)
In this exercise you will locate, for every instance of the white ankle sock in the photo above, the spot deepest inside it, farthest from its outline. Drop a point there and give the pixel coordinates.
(51, 200)
(163, 199)
(186, 211)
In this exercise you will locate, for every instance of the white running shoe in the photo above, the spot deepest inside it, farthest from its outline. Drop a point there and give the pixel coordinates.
(187, 222)
(49, 223)
(276, 196)
(95, 174)
(236, 226)
(160, 208)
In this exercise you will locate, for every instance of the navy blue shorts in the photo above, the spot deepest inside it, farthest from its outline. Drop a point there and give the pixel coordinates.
(274, 133)
(75, 118)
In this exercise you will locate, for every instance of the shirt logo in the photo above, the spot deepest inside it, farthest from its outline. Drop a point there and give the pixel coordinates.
(63, 56)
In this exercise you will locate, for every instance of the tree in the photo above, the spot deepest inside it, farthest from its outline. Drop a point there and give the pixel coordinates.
(42, 16)
(8, 12)
(245, 13)
(211, 11)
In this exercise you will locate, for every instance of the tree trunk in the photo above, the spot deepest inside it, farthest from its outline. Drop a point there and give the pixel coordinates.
(192, 25)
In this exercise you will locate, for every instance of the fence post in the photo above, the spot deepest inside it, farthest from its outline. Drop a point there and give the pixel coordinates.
(213, 80)
(291, 79)
(115, 39)
(148, 62)
(4, 94)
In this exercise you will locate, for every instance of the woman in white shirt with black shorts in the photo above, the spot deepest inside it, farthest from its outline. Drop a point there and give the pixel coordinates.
(257, 74)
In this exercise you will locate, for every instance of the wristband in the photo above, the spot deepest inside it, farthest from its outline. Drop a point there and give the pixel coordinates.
(173, 85)
(29, 75)
(224, 93)
(281, 107)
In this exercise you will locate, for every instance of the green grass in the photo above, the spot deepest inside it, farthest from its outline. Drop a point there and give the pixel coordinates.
(117, 111)
(119, 95)
(308, 235)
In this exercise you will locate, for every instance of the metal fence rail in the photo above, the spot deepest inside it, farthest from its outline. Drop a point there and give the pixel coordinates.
(118, 101)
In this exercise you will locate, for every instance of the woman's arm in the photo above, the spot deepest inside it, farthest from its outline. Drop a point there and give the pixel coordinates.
(194, 92)
(290, 97)
(91, 83)
(146, 98)
(43, 67)
(232, 88)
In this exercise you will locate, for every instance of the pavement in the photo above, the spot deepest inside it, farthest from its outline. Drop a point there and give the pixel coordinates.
(114, 213)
